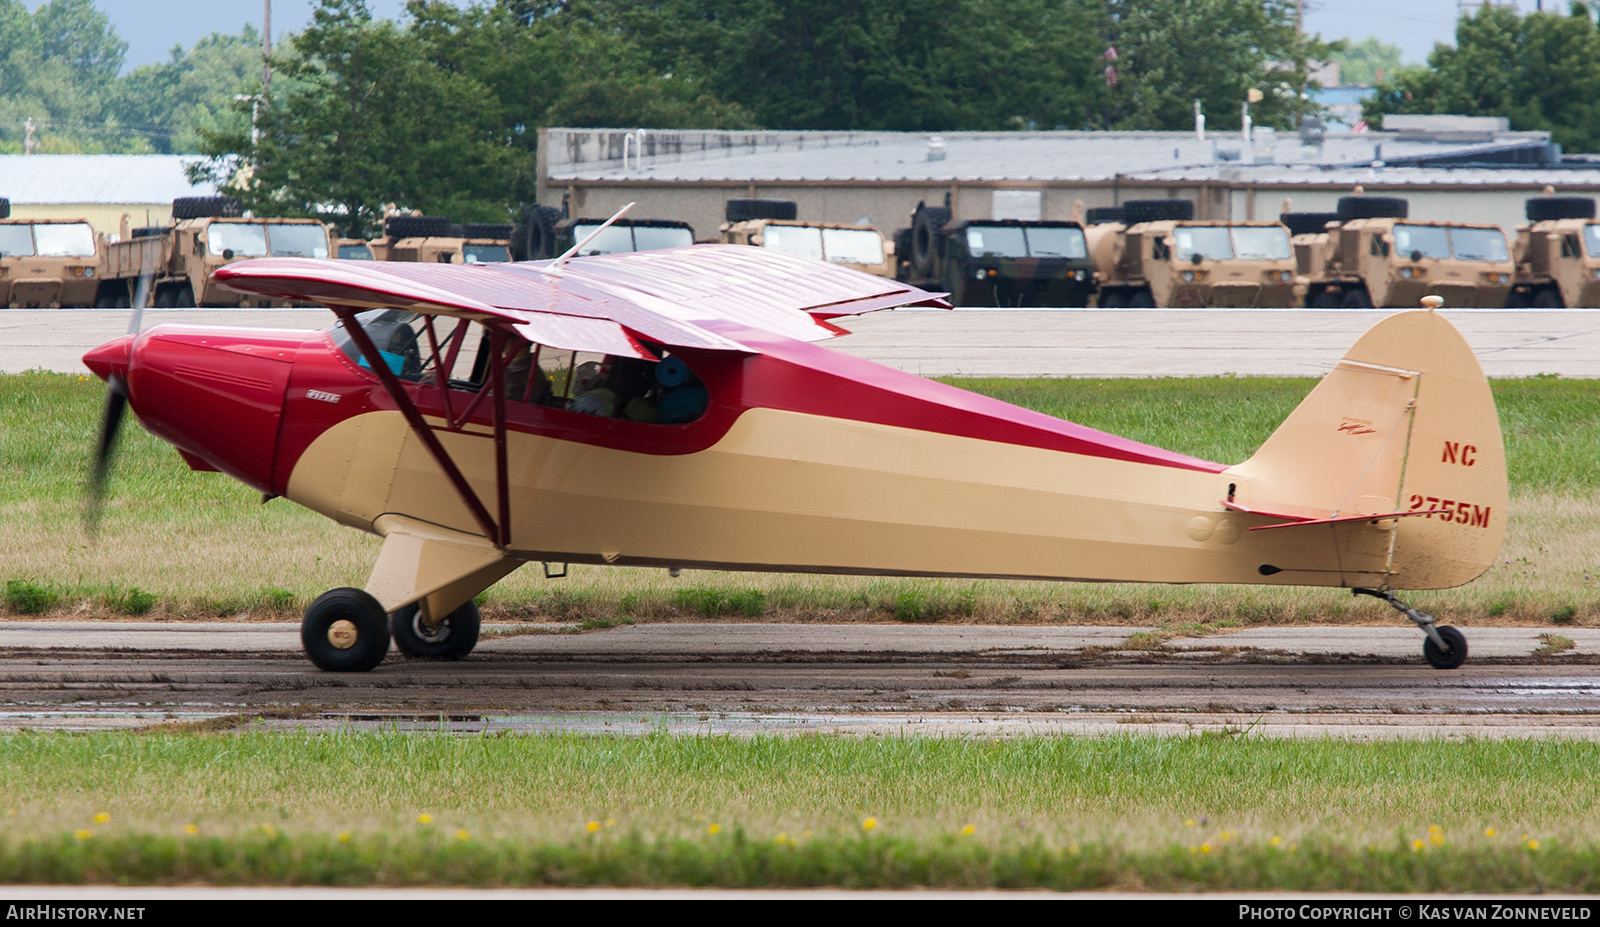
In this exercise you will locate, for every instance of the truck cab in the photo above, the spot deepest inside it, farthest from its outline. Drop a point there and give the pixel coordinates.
(858, 247)
(996, 262)
(1184, 263)
(48, 263)
(1557, 254)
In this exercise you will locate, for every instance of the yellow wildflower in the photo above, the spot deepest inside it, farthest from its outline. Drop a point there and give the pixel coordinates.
(968, 831)
(191, 829)
(83, 834)
(101, 818)
(594, 826)
(1489, 832)
(714, 829)
(869, 823)
(463, 835)
(424, 818)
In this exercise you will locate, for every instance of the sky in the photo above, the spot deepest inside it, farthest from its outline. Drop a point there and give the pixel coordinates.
(152, 27)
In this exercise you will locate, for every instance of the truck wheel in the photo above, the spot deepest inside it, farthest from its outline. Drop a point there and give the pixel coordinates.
(926, 227)
(1548, 298)
(1307, 223)
(1100, 215)
(1137, 211)
(1325, 300)
(1112, 299)
(416, 227)
(1541, 208)
(744, 210)
(1373, 207)
(165, 297)
(1356, 298)
(207, 207)
(1141, 299)
(183, 298)
(5, 208)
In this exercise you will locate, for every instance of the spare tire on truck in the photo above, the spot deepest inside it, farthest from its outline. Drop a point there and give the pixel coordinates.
(1099, 215)
(494, 230)
(417, 227)
(148, 231)
(1308, 223)
(1559, 207)
(207, 207)
(926, 226)
(1373, 207)
(747, 209)
(1137, 211)
(540, 232)
(5, 208)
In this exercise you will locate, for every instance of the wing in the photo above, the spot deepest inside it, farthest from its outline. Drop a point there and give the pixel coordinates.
(702, 296)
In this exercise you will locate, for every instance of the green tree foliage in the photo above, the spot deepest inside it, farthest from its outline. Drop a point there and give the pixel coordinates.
(173, 102)
(1366, 62)
(57, 65)
(1541, 70)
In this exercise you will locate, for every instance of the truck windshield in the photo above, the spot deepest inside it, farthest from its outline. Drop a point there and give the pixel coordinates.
(16, 240)
(1432, 241)
(485, 254)
(63, 239)
(297, 241)
(1051, 241)
(1211, 242)
(1262, 243)
(996, 241)
(1591, 239)
(614, 240)
(1479, 244)
(359, 252)
(793, 239)
(244, 239)
(852, 246)
(653, 237)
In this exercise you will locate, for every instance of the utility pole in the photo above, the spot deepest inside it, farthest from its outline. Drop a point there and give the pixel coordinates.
(27, 141)
(266, 47)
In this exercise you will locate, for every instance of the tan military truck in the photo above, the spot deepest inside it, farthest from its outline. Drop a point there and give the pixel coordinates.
(773, 224)
(1557, 255)
(47, 263)
(437, 240)
(207, 233)
(1159, 256)
(1372, 256)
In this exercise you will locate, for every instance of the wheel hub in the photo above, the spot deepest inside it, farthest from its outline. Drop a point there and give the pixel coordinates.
(342, 634)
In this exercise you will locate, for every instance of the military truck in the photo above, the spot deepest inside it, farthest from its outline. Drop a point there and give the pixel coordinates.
(437, 240)
(547, 232)
(47, 263)
(1370, 255)
(1154, 254)
(207, 232)
(1557, 255)
(354, 249)
(995, 262)
(773, 224)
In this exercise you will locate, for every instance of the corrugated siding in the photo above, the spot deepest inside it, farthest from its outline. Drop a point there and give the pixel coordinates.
(88, 179)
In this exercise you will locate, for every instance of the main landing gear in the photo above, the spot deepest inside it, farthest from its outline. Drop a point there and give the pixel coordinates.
(347, 631)
(1445, 646)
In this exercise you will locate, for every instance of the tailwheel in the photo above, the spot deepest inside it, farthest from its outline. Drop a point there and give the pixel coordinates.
(1445, 659)
(452, 639)
(345, 631)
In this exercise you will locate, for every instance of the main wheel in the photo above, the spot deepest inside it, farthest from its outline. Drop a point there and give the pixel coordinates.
(453, 639)
(1439, 659)
(345, 631)
(1356, 298)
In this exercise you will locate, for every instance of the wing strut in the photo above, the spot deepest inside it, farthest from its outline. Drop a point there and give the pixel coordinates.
(499, 534)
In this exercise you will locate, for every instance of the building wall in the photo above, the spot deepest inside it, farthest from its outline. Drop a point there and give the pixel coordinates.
(105, 218)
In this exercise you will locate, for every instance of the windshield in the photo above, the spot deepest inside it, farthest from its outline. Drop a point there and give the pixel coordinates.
(355, 252)
(393, 333)
(64, 239)
(485, 254)
(652, 237)
(1057, 242)
(1479, 244)
(297, 241)
(614, 240)
(793, 239)
(996, 241)
(16, 240)
(1262, 243)
(244, 239)
(1591, 239)
(1430, 241)
(852, 246)
(1210, 242)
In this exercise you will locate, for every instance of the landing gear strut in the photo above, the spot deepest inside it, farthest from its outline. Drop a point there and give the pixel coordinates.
(1445, 647)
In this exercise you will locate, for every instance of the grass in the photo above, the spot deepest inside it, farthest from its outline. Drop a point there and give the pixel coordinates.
(1054, 812)
(176, 544)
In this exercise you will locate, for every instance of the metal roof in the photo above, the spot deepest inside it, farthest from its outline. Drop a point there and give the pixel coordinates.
(104, 178)
(691, 156)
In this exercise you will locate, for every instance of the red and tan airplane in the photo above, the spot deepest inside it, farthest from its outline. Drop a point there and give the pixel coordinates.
(673, 409)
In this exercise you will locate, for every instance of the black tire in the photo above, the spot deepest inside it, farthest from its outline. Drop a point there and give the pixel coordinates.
(207, 207)
(1356, 298)
(183, 296)
(1307, 223)
(166, 297)
(927, 228)
(124, 299)
(1439, 659)
(453, 639)
(1138, 211)
(1541, 208)
(1373, 207)
(541, 232)
(902, 245)
(1325, 300)
(1141, 299)
(417, 227)
(747, 209)
(1547, 298)
(1099, 215)
(148, 231)
(499, 231)
(1112, 299)
(5, 208)
(357, 621)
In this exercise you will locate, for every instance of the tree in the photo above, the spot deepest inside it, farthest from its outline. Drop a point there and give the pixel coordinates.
(1541, 71)
(173, 102)
(1366, 62)
(56, 65)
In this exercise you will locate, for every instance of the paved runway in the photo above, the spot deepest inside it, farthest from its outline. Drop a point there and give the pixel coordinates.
(996, 342)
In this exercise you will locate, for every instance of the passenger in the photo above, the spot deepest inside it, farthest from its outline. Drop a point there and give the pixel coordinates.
(684, 398)
(591, 393)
